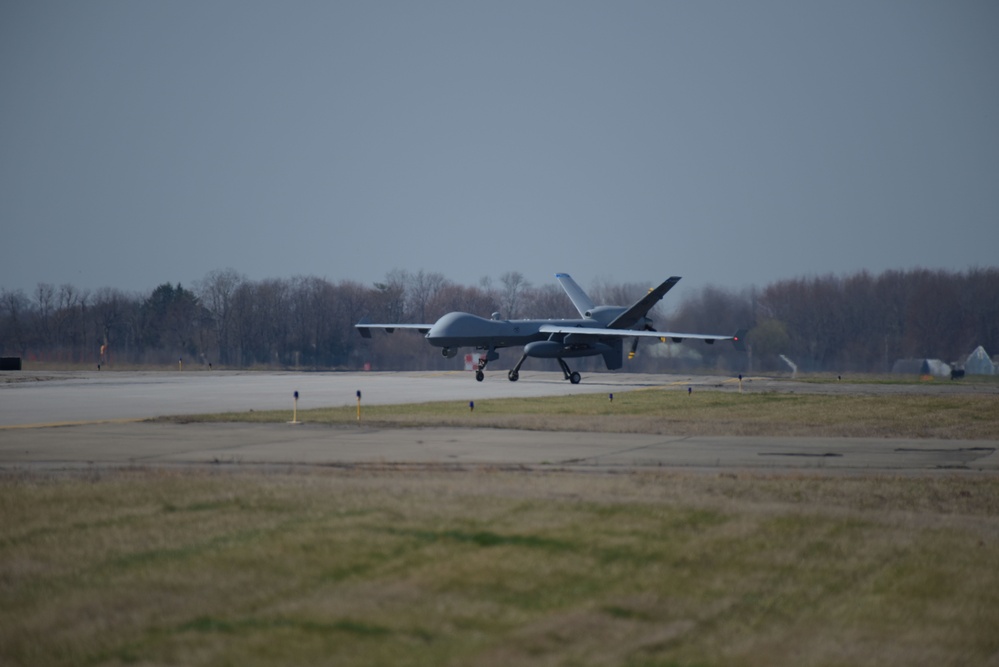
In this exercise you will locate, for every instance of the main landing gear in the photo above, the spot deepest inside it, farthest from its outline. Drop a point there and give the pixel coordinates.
(570, 375)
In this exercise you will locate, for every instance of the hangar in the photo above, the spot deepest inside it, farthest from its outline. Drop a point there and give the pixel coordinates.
(933, 367)
(979, 363)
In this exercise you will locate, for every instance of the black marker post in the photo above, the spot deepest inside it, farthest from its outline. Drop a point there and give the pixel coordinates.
(294, 414)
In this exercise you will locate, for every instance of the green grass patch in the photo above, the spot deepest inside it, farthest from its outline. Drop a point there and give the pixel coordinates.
(671, 412)
(894, 379)
(484, 567)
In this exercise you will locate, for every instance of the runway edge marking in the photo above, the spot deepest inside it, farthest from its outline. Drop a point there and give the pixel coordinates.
(89, 422)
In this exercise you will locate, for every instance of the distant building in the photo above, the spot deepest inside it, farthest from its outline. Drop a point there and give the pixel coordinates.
(933, 367)
(978, 363)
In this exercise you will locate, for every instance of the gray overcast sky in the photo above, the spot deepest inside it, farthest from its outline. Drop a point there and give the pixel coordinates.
(733, 143)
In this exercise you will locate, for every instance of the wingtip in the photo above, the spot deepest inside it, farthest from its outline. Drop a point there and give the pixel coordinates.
(739, 340)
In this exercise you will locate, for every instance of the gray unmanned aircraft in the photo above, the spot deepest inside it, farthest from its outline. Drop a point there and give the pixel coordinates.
(600, 331)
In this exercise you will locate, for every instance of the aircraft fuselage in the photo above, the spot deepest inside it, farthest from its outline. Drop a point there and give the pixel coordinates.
(458, 329)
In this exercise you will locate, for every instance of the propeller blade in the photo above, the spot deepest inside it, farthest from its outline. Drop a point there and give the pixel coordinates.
(634, 341)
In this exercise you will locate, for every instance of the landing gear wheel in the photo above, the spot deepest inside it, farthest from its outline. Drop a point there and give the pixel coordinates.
(574, 378)
(479, 375)
(513, 375)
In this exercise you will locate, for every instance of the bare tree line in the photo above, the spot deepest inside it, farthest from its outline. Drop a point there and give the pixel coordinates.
(855, 323)
(864, 322)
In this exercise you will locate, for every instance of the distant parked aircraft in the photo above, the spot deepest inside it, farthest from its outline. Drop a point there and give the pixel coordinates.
(600, 331)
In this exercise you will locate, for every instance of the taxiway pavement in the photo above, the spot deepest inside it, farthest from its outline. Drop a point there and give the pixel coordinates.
(146, 443)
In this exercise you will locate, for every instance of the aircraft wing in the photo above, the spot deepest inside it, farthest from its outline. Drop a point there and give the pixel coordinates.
(364, 328)
(641, 307)
(737, 338)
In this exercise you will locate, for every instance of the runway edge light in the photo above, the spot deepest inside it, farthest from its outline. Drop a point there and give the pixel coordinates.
(294, 413)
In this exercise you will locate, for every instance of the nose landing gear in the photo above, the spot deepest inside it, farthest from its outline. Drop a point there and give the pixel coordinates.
(491, 355)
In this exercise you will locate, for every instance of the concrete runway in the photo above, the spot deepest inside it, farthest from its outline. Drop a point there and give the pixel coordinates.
(73, 420)
(50, 398)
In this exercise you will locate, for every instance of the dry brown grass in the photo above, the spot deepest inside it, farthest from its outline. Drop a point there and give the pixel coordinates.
(488, 567)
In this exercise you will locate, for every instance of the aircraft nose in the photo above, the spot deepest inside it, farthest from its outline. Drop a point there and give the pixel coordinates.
(453, 328)
(444, 328)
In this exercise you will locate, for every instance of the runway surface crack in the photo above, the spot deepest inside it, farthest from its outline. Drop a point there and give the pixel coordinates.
(626, 450)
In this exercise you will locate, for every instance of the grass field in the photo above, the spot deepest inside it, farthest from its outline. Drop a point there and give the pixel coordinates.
(481, 566)
(195, 567)
(969, 417)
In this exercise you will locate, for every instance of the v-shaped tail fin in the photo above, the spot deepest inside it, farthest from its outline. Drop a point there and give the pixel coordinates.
(579, 299)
